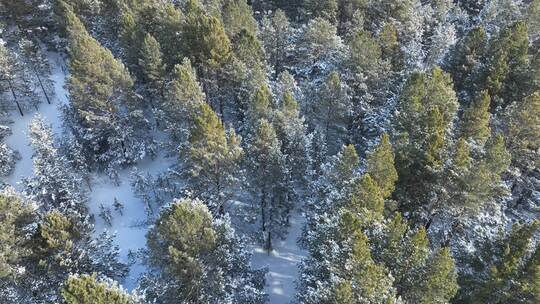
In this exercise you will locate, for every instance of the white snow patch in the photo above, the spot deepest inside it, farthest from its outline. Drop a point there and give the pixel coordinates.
(51, 113)
(130, 227)
(282, 263)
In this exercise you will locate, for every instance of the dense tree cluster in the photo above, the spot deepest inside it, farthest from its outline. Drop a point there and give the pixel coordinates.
(406, 132)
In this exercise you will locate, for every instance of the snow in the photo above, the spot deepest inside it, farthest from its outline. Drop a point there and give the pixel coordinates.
(130, 227)
(282, 263)
(51, 113)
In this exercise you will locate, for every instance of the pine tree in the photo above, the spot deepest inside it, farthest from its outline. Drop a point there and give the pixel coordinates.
(268, 173)
(467, 59)
(179, 243)
(238, 16)
(507, 69)
(87, 289)
(506, 268)
(152, 67)
(390, 47)
(332, 110)
(524, 130)
(260, 105)
(344, 166)
(181, 103)
(350, 13)
(380, 164)
(53, 185)
(367, 199)
(327, 9)
(476, 119)
(15, 83)
(205, 39)
(198, 258)
(103, 114)
(370, 280)
(276, 35)
(439, 283)
(170, 24)
(61, 246)
(291, 130)
(8, 156)
(16, 214)
(428, 107)
(213, 158)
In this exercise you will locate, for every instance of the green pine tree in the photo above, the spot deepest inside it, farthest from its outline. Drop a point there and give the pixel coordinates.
(181, 103)
(367, 199)
(87, 289)
(152, 67)
(524, 130)
(380, 165)
(179, 244)
(15, 215)
(213, 159)
(476, 119)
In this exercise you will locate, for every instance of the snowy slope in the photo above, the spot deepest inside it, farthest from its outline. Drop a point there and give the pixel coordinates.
(282, 263)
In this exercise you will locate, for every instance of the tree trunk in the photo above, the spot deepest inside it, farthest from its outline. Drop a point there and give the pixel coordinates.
(41, 85)
(263, 210)
(15, 97)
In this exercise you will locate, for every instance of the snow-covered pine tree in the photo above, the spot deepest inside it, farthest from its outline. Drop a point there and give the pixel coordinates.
(195, 258)
(104, 115)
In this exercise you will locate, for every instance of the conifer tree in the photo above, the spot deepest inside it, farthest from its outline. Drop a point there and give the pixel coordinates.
(15, 83)
(268, 172)
(87, 289)
(238, 16)
(507, 269)
(507, 69)
(390, 47)
(439, 282)
(171, 23)
(344, 166)
(367, 199)
(524, 130)
(381, 167)
(214, 155)
(370, 280)
(198, 259)
(476, 119)
(327, 9)
(103, 113)
(260, 105)
(214, 49)
(332, 111)
(16, 214)
(53, 186)
(276, 35)
(467, 59)
(181, 103)
(152, 67)
(291, 130)
(428, 108)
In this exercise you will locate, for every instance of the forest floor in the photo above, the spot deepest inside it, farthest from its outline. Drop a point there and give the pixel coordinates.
(130, 227)
(282, 263)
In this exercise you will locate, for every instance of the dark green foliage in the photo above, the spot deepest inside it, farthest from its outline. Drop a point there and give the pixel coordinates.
(510, 270)
(507, 69)
(88, 290)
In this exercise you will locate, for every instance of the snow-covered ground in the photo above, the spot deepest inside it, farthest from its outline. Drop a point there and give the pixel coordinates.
(282, 263)
(130, 227)
(51, 113)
